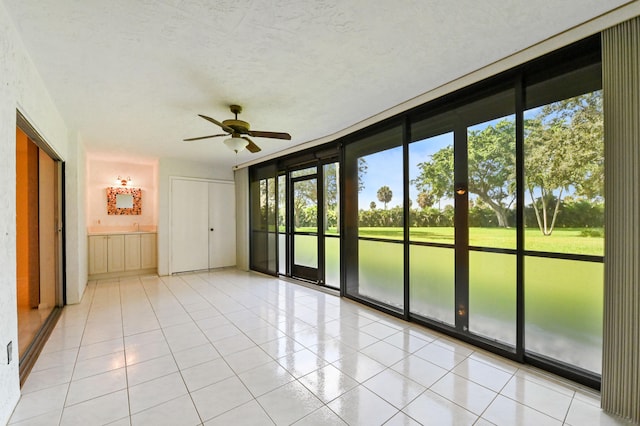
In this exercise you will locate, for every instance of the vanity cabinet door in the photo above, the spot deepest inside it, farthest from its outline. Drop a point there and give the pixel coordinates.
(98, 258)
(115, 253)
(148, 251)
(131, 252)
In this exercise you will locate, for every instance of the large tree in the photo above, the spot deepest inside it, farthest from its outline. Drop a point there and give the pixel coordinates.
(491, 169)
(564, 152)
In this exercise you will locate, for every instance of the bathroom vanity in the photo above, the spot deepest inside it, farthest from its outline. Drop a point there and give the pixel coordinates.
(116, 254)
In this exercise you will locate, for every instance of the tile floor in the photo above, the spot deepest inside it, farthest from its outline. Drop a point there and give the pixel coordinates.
(237, 348)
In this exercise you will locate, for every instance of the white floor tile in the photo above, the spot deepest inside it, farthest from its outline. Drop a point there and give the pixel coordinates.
(248, 414)
(100, 349)
(431, 408)
(51, 418)
(154, 392)
(440, 356)
(538, 397)
(179, 411)
(483, 374)
(265, 378)
(220, 397)
(95, 386)
(247, 359)
(583, 413)
(233, 344)
(220, 348)
(206, 374)
(289, 403)
(359, 366)
(394, 388)
(401, 419)
(302, 362)
(48, 378)
(328, 383)
(419, 370)
(281, 347)
(464, 392)
(360, 406)
(196, 355)
(323, 416)
(40, 402)
(146, 351)
(332, 350)
(101, 364)
(385, 353)
(407, 342)
(504, 411)
(149, 370)
(102, 410)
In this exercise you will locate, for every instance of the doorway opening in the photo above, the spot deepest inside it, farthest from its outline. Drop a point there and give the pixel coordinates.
(39, 242)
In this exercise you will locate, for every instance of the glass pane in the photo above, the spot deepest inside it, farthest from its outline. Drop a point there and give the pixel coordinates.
(304, 172)
(259, 250)
(492, 295)
(271, 240)
(432, 282)
(381, 272)
(331, 198)
(381, 196)
(271, 204)
(564, 176)
(282, 203)
(563, 310)
(305, 205)
(282, 253)
(491, 148)
(332, 261)
(306, 250)
(431, 189)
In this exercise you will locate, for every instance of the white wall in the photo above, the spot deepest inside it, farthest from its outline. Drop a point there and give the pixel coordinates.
(76, 231)
(20, 88)
(171, 167)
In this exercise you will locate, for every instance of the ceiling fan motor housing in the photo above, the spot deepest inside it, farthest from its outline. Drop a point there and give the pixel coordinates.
(237, 125)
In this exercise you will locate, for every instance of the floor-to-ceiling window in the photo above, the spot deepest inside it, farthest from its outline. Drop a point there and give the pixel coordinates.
(479, 214)
(374, 202)
(564, 218)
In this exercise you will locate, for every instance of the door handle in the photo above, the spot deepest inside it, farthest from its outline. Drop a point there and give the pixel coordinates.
(211, 229)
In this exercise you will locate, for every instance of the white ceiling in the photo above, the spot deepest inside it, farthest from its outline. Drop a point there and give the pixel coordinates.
(130, 76)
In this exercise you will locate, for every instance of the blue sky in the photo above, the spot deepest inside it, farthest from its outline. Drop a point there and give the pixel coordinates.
(385, 168)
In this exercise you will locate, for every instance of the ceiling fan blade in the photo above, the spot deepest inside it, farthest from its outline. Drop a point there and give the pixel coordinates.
(216, 122)
(252, 147)
(205, 137)
(273, 135)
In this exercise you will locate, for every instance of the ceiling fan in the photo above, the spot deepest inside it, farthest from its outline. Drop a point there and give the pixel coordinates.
(239, 130)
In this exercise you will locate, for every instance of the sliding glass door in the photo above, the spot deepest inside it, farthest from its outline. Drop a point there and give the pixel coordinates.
(304, 224)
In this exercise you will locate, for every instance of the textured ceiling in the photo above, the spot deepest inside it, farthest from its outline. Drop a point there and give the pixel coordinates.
(130, 76)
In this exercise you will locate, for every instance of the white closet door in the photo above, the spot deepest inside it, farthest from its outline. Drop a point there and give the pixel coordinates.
(222, 225)
(189, 225)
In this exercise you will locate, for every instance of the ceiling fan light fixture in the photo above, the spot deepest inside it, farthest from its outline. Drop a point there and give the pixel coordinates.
(236, 144)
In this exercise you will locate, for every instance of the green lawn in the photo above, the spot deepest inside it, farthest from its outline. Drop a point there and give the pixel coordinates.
(562, 240)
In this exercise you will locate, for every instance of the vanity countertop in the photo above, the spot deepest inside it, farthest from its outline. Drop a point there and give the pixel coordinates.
(121, 231)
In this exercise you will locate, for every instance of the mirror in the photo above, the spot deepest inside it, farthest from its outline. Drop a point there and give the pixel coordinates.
(124, 201)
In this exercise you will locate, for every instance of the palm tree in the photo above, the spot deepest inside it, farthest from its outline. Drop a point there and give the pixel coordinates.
(385, 195)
